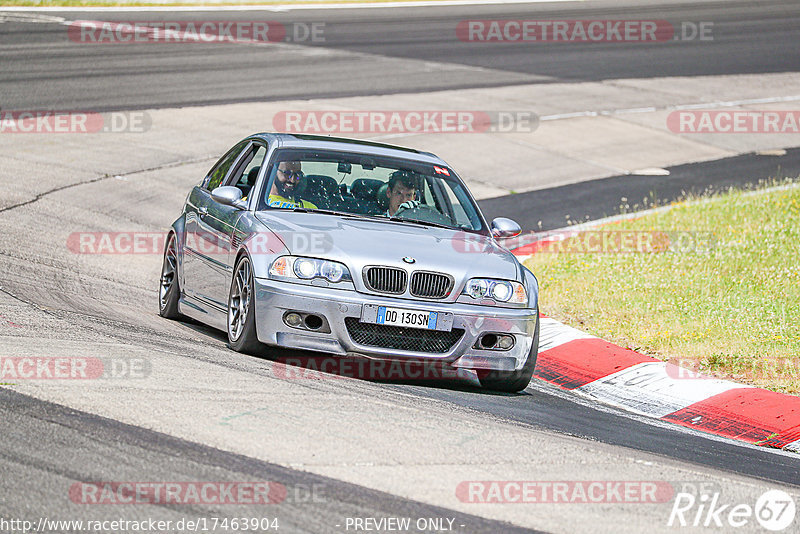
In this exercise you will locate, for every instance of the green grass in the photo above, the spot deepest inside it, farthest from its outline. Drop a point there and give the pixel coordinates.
(730, 308)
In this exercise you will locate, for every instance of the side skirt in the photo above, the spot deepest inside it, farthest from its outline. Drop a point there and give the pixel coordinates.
(204, 312)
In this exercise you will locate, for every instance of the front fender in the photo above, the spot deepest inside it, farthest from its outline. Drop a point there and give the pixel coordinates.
(260, 243)
(533, 288)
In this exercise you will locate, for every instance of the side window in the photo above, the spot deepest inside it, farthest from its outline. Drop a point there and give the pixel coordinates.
(427, 195)
(218, 172)
(466, 218)
(246, 174)
(458, 210)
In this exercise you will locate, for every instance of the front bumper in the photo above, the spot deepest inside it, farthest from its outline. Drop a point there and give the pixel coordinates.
(274, 298)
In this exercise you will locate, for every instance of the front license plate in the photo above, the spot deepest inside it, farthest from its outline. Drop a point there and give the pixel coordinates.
(428, 320)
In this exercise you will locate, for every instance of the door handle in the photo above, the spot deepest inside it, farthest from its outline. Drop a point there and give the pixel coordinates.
(202, 211)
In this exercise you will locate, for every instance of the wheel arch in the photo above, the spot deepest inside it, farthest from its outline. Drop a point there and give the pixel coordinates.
(178, 229)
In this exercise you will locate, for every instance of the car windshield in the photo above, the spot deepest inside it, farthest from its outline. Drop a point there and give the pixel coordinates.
(370, 186)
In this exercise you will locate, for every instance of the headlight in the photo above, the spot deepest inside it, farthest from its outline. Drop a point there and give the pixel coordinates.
(332, 271)
(309, 268)
(305, 268)
(499, 290)
(477, 288)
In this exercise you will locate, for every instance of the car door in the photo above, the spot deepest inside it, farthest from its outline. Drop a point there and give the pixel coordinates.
(215, 228)
(197, 252)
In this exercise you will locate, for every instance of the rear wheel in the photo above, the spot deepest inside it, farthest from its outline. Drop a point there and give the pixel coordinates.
(169, 290)
(242, 310)
(513, 381)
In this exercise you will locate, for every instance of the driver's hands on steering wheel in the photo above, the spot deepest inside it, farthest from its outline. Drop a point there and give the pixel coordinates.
(408, 204)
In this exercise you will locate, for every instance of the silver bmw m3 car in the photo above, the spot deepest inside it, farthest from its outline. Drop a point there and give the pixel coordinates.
(351, 248)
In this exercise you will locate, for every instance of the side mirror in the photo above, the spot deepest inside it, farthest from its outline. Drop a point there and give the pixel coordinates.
(503, 228)
(229, 196)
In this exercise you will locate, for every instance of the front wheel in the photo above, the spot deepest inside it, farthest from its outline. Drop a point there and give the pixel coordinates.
(513, 381)
(242, 310)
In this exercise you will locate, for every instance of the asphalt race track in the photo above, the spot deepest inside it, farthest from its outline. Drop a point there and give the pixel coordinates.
(552, 208)
(400, 50)
(311, 501)
(342, 448)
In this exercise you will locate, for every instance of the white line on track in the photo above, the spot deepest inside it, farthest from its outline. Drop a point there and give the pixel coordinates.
(701, 105)
(288, 7)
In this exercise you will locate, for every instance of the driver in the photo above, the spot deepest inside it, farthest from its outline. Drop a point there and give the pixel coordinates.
(402, 192)
(282, 194)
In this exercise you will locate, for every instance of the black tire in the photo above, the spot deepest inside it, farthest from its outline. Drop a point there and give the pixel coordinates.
(513, 381)
(241, 321)
(169, 289)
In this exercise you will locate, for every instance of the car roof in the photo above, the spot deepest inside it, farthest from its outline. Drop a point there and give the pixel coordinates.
(285, 140)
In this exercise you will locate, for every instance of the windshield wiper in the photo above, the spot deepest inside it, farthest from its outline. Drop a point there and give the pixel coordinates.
(421, 223)
(366, 216)
(325, 212)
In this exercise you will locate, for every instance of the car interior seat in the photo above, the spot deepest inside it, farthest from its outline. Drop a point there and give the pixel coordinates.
(365, 192)
(322, 190)
(381, 198)
(249, 181)
(252, 176)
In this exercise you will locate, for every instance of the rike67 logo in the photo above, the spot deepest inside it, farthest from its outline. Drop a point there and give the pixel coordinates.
(774, 510)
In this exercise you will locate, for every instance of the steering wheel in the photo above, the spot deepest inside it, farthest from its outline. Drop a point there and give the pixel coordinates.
(423, 213)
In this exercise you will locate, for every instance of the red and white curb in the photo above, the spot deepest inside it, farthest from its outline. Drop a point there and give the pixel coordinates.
(614, 375)
(594, 368)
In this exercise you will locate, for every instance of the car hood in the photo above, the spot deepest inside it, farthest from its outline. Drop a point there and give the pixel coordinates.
(358, 242)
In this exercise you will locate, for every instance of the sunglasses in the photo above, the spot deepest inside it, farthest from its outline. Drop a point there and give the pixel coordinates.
(297, 175)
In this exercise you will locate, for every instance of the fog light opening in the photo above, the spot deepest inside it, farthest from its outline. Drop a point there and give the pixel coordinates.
(293, 319)
(505, 342)
(313, 322)
(488, 341)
